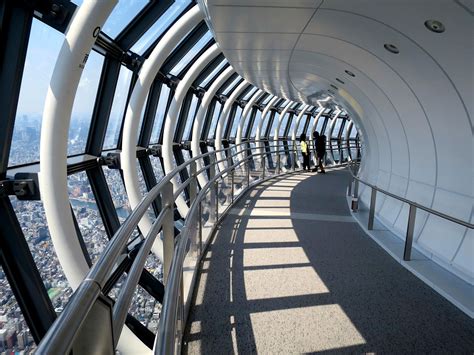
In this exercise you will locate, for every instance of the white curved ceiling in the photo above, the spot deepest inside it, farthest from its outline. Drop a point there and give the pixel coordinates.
(414, 108)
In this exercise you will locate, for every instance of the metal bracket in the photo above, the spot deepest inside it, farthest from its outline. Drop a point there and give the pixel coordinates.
(111, 160)
(132, 61)
(24, 186)
(154, 150)
(57, 13)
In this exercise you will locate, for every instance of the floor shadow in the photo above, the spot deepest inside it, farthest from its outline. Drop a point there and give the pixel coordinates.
(362, 301)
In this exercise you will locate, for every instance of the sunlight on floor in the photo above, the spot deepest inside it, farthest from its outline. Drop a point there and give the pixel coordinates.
(274, 236)
(282, 282)
(274, 256)
(306, 329)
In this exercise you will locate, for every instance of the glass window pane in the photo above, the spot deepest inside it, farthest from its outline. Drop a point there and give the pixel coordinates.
(337, 126)
(250, 94)
(353, 133)
(118, 109)
(122, 15)
(190, 119)
(267, 100)
(84, 104)
(43, 50)
(212, 75)
(265, 124)
(236, 122)
(117, 191)
(215, 117)
(87, 214)
(301, 127)
(274, 125)
(231, 86)
(32, 219)
(160, 114)
(320, 124)
(191, 53)
(283, 125)
(157, 167)
(142, 117)
(258, 117)
(15, 332)
(160, 26)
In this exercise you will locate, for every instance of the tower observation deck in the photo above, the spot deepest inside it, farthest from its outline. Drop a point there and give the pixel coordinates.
(154, 196)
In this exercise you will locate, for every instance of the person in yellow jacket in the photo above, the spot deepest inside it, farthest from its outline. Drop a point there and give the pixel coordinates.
(304, 151)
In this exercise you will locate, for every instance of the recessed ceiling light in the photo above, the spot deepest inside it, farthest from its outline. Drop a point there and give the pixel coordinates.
(334, 87)
(349, 73)
(435, 26)
(339, 80)
(391, 48)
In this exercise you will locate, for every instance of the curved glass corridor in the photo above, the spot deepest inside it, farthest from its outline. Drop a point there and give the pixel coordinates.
(133, 132)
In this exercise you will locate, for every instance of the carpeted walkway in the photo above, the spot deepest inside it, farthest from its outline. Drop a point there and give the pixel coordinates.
(291, 272)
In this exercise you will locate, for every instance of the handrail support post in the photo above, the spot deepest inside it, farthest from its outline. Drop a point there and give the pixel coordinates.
(410, 232)
(168, 228)
(373, 197)
(193, 183)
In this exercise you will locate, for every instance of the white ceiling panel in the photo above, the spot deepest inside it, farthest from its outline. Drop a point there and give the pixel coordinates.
(252, 41)
(311, 4)
(249, 19)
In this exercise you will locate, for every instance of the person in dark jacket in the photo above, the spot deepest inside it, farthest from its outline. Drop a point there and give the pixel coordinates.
(320, 145)
(304, 151)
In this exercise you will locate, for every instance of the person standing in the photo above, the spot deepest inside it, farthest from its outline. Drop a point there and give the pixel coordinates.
(320, 145)
(304, 151)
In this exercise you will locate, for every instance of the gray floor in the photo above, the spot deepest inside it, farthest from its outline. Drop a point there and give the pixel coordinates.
(290, 272)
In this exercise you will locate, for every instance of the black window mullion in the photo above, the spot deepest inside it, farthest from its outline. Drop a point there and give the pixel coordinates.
(183, 115)
(230, 121)
(150, 113)
(250, 123)
(170, 99)
(209, 69)
(130, 91)
(270, 124)
(150, 180)
(142, 22)
(288, 125)
(23, 275)
(207, 122)
(104, 201)
(103, 106)
(15, 30)
(195, 58)
(185, 45)
(227, 83)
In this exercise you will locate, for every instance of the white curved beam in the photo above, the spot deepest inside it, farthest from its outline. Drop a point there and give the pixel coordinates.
(260, 123)
(243, 120)
(328, 139)
(313, 127)
(77, 45)
(223, 118)
(79, 39)
(280, 120)
(206, 100)
(149, 70)
(295, 129)
(172, 118)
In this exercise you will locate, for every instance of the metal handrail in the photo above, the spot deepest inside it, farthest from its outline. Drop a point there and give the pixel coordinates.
(60, 337)
(416, 204)
(411, 214)
(166, 337)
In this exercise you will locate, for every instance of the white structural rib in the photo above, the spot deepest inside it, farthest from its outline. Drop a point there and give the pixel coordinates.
(80, 37)
(295, 129)
(243, 120)
(197, 126)
(172, 118)
(148, 73)
(223, 119)
(260, 123)
(280, 120)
